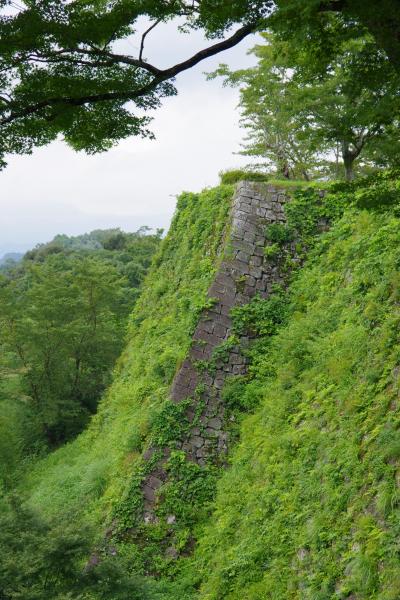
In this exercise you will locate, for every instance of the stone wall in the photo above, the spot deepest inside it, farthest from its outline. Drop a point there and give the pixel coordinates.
(244, 272)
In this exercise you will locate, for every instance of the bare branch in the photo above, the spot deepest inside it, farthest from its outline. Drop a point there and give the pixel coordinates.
(145, 34)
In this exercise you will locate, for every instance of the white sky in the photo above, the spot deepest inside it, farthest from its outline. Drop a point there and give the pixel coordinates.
(56, 190)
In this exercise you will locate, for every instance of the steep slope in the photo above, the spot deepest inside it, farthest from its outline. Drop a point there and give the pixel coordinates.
(86, 477)
(310, 507)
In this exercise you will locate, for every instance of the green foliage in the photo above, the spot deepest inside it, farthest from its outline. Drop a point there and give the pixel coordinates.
(279, 233)
(63, 314)
(170, 423)
(296, 117)
(379, 192)
(61, 75)
(259, 316)
(222, 351)
(48, 560)
(99, 473)
(240, 395)
(189, 490)
(310, 505)
(62, 71)
(236, 175)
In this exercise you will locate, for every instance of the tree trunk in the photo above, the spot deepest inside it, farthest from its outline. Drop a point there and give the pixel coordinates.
(348, 169)
(348, 157)
(286, 171)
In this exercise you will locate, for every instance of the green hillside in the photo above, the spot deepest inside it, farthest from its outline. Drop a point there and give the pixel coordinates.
(88, 476)
(309, 505)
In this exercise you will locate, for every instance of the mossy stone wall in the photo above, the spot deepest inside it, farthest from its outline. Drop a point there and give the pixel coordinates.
(215, 353)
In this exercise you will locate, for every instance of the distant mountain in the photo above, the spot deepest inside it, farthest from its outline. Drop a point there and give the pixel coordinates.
(99, 239)
(11, 257)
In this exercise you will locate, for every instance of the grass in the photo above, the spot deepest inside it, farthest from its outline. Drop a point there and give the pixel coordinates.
(90, 475)
(310, 508)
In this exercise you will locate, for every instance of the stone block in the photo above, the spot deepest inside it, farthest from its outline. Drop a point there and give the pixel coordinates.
(207, 379)
(197, 354)
(196, 441)
(249, 291)
(243, 256)
(245, 206)
(202, 335)
(251, 227)
(261, 285)
(246, 246)
(171, 519)
(207, 351)
(249, 236)
(241, 214)
(179, 393)
(216, 291)
(239, 370)
(224, 321)
(259, 251)
(187, 447)
(241, 267)
(215, 310)
(238, 223)
(207, 325)
(236, 359)
(220, 331)
(219, 383)
(154, 482)
(215, 423)
(201, 453)
(213, 433)
(226, 308)
(149, 493)
(229, 287)
(171, 553)
(256, 272)
(212, 409)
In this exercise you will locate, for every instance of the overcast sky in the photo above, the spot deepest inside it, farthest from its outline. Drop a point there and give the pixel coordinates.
(56, 190)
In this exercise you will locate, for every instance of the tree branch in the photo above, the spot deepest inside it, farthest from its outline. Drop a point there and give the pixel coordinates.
(144, 37)
(332, 6)
(160, 76)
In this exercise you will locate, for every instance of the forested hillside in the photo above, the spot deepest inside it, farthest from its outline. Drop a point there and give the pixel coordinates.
(308, 505)
(63, 314)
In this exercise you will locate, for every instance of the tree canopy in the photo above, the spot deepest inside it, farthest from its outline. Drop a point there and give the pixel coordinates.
(63, 70)
(297, 118)
(63, 314)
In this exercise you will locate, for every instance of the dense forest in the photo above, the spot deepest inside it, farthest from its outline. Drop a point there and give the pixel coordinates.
(293, 489)
(63, 313)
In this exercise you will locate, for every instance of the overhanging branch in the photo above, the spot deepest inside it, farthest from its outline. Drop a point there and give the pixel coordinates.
(160, 76)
